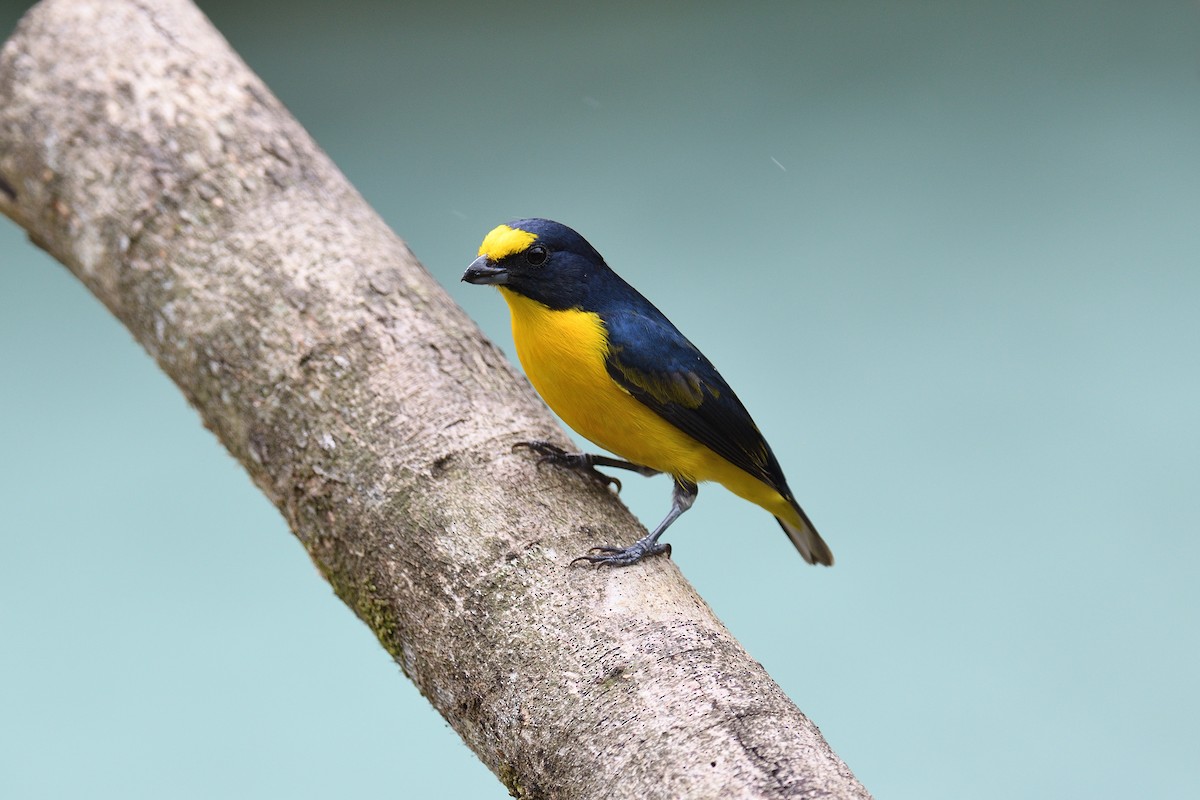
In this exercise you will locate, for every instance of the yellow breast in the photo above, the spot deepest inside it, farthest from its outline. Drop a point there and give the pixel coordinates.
(564, 352)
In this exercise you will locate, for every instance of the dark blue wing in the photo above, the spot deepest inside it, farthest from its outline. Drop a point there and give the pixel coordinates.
(655, 363)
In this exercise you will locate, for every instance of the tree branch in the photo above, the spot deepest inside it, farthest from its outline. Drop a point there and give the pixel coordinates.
(140, 151)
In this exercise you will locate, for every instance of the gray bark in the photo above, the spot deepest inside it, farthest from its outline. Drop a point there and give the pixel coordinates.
(140, 151)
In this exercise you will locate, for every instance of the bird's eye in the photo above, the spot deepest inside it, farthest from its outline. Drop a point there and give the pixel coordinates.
(537, 255)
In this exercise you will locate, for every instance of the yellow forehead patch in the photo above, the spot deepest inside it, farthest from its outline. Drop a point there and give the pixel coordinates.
(504, 241)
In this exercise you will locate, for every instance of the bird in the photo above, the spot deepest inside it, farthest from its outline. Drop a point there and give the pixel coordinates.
(619, 373)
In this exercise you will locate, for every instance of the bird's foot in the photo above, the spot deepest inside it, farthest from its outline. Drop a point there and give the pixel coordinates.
(624, 556)
(580, 462)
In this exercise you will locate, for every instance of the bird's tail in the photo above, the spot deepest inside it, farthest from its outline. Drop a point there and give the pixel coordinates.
(802, 533)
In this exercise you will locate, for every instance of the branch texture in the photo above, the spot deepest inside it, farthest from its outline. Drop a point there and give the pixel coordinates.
(140, 151)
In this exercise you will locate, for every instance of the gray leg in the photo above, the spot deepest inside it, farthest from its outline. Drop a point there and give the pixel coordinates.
(681, 500)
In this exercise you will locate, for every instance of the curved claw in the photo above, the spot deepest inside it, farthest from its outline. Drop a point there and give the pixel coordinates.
(622, 556)
(538, 446)
(553, 454)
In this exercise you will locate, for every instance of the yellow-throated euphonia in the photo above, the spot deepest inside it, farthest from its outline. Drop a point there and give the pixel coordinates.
(617, 371)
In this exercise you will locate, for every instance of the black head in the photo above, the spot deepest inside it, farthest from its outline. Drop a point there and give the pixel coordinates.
(542, 260)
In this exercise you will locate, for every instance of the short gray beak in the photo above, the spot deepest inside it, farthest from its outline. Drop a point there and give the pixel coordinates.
(483, 272)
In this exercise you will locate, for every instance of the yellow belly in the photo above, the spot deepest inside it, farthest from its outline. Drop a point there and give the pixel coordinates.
(563, 353)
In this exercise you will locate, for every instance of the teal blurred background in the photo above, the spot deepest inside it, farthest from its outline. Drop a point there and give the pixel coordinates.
(948, 255)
